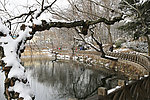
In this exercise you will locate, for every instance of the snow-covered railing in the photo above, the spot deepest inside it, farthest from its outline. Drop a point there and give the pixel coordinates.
(136, 90)
(139, 59)
(131, 91)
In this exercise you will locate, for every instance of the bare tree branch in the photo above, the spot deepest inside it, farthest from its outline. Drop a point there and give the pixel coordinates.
(42, 5)
(5, 10)
(82, 39)
(25, 14)
(105, 7)
(59, 15)
(38, 2)
(86, 12)
(1, 10)
(99, 44)
(85, 24)
(45, 8)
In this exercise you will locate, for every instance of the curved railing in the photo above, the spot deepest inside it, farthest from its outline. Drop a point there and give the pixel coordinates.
(137, 58)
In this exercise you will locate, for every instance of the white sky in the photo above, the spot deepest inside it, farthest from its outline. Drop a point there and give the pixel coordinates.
(62, 3)
(17, 7)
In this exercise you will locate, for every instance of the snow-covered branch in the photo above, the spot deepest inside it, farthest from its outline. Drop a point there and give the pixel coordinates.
(84, 24)
(16, 79)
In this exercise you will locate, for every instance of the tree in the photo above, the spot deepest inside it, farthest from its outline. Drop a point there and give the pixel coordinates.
(109, 13)
(138, 22)
(29, 24)
(91, 10)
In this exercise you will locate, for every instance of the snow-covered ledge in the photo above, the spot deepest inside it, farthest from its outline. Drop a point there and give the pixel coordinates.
(17, 85)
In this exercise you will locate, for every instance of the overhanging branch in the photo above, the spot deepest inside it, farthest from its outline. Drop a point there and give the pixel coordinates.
(82, 23)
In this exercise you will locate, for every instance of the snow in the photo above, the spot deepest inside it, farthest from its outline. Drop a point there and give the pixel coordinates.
(127, 20)
(3, 28)
(121, 50)
(107, 64)
(37, 22)
(12, 59)
(17, 72)
(111, 57)
(146, 75)
(75, 58)
(142, 1)
(81, 60)
(56, 20)
(89, 39)
(36, 13)
(113, 89)
(24, 34)
(23, 89)
(89, 59)
(67, 57)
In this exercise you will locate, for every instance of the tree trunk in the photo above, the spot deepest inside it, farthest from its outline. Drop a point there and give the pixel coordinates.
(110, 36)
(110, 39)
(73, 47)
(148, 42)
(102, 51)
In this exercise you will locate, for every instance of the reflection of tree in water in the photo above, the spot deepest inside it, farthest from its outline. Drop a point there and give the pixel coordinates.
(70, 78)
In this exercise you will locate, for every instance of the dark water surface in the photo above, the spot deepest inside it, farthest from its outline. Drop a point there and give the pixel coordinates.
(60, 80)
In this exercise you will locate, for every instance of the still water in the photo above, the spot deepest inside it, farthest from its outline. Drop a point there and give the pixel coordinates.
(2, 97)
(60, 80)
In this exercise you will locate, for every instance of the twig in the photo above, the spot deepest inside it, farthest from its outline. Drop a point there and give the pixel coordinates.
(86, 12)
(82, 39)
(105, 7)
(42, 6)
(98, 43)
(45, 8)
(25, 14)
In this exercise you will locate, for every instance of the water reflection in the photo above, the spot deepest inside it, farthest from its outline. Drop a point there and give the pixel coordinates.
(2, 97)
(62, 80)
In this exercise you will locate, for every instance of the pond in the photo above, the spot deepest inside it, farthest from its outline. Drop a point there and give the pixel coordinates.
(62, 80)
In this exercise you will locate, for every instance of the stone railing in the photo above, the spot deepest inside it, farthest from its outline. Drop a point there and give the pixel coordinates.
(136, 90)
(137, 58)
